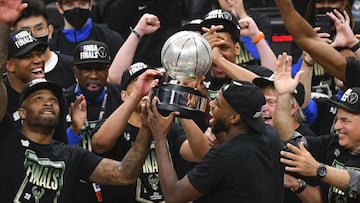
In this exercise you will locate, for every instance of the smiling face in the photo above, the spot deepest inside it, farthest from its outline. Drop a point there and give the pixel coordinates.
(269, 108)
(27, 67)
(40, 109)
(348, 128)
(220, 113)
(92, 76)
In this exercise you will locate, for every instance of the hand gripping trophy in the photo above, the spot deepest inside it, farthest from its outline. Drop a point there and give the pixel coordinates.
(186, 55)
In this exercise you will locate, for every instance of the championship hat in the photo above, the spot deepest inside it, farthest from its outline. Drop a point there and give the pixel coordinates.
(91, 52)
(350, 100)
(39, 84)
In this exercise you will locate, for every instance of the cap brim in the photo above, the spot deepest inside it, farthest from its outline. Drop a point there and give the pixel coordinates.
(343, 106)
(257, 124)
(228, 26)
(29, 48)
(262, 82)
(91, 61)
(56, 89)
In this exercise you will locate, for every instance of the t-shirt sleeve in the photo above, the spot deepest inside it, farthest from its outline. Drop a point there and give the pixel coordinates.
(86, 161)
(352, 72)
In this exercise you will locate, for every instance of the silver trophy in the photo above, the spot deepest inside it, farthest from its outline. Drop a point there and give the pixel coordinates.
(186, 55)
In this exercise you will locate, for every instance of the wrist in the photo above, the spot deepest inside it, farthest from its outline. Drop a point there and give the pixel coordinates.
(300, 186)
(258, 38)
(355, 46)
(136, 33)
(308, 63)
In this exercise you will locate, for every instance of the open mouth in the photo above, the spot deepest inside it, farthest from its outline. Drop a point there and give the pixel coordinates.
(38, 73)
(93, 87)
(267, 119)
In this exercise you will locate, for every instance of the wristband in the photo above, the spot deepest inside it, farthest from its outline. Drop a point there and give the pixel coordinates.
(302, 186)
(355, 47)
(136, 33)
(258, 38)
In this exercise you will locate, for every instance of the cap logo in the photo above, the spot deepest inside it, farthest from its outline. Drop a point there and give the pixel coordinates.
(350, 97)
(23, 38)
(220, 14)
(92, 51)
(136, 68)
(36, 81)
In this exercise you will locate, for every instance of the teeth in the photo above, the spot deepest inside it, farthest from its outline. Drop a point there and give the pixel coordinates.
(37, 70)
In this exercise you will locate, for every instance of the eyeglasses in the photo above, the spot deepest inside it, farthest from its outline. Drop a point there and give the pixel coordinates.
(38, 30)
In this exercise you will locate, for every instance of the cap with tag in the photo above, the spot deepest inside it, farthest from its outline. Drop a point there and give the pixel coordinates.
(91, 52)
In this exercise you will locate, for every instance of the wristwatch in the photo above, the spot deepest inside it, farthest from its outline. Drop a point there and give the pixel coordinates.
(302, 186)
(321, 171)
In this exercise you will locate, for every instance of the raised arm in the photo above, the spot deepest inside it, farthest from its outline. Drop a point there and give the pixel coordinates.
(249, 28)
(285, 86)
(308, 40)
(10, 10)
(112, 172)
(104, 139)
(147, 24)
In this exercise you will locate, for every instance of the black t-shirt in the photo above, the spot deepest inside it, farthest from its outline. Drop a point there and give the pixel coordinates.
(352, 72)
(326, 149)
(147, 188)
(62, 74)
(111, 100)
(94, 109)
(13, 106)
(326, 113)
(40, 173)
(246, 168)
(99, 32)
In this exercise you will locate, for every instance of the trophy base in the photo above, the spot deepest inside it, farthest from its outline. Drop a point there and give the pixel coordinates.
(186, 100)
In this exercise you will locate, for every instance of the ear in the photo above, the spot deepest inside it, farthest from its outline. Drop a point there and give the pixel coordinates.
(22, 113)
(294, 108)
(76, 72)
(51, 31)
(235, 118)
(123, 95)
(10, 67)
(237, 48)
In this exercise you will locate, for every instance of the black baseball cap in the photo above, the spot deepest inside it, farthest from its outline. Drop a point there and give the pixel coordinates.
(350, 100)
(299, 93)
(91, 51)
(22, 41)
(247, 100)
(131, 73)
(225, 18)
(193, 25)
(39, 84)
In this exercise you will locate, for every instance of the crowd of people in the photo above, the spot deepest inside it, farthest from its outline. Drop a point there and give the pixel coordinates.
(79, 122)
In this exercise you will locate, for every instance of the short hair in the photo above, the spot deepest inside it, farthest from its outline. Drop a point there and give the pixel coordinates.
(35, 8)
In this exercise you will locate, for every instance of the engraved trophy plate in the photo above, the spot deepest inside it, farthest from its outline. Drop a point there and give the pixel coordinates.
(185, 56)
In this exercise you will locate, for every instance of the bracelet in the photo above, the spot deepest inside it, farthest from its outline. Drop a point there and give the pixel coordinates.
(355, 47)
(136, 33)
(307, 63)
(302, 186)
(258, 38)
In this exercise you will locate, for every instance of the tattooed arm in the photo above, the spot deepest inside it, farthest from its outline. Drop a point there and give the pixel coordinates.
(110, 172)
(10, 10)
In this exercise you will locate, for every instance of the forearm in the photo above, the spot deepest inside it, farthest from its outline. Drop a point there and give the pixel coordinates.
(4, 37)
(306, 81)
(167, 174)
(307, 39)
(123, 59)
(234, 71)
(196, 146)
(339, 178)
(267, 56)
(311, 194)
(104, 139)
(111, 172)
(283, 116)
